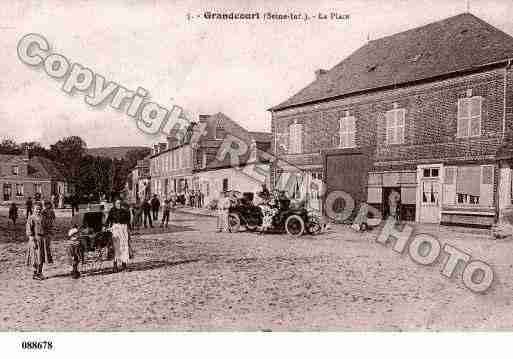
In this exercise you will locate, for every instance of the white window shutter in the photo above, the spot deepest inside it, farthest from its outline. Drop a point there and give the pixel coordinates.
(389, 126)
(487, 185)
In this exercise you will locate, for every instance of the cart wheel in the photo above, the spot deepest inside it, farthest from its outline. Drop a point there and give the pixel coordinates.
(233, 222)
(295, 225)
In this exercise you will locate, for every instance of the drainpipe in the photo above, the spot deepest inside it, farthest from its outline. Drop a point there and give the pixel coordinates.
(508, 66)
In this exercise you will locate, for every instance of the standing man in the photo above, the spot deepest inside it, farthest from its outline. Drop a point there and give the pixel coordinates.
(146, 208)
(223, 207)
(13, 213)
(155, 207)
(28, 207)
(74, 204)
(47, 223)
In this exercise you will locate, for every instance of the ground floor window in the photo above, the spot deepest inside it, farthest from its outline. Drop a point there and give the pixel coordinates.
(38, 188)
(469, 185)
(19, 189)
(7, 190)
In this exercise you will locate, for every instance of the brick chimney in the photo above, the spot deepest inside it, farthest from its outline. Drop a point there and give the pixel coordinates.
(319, 73)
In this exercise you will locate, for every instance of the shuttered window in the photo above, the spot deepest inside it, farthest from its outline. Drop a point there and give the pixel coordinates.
(295, 138)
(395, 121)
(469, 116)
(347, 132)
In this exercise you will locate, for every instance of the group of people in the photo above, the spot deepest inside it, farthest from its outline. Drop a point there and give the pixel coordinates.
(194, 198)
(146, 212)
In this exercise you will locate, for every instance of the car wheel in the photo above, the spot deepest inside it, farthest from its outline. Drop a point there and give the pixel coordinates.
(233, 222)
(295, 225)
(314, 228)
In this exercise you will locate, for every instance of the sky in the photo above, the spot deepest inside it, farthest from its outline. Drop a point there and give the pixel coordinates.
(240, 68)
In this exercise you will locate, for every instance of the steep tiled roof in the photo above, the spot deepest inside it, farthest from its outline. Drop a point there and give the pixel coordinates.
(38, 167)
(458, 43)
(41, 167)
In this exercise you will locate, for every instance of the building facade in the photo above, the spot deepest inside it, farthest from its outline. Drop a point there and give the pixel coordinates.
(215, 171)
(139, 185)
(424, 113)
(197, 162)
(22, 177)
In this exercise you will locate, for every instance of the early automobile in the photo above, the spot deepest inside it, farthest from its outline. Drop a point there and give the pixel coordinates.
(294, 220)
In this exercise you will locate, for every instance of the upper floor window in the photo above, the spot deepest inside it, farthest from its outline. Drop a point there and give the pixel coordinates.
(395, 126)
(469, 116)
(295, 138)
(347, 131)
(16, 170)
(220, 133)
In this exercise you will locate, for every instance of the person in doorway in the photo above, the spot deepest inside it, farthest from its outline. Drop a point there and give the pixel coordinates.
(394, 199)
(155, 207)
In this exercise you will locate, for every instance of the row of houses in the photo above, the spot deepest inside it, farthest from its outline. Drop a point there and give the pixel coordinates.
(197, 161)
(427, 113)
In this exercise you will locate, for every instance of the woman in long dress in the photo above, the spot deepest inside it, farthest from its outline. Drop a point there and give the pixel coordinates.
(36, 247)
(119, 218)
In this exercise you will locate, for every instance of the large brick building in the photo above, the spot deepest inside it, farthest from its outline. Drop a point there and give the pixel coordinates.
(22, 177)
(426, 112)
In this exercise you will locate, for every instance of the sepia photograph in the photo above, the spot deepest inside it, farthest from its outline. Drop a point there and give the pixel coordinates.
(255, 166)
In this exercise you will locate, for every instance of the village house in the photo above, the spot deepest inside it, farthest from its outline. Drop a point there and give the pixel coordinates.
(214, 169)
(139, 185)
(426, 113)
(22, 177)
(171, 164)
(180, 165)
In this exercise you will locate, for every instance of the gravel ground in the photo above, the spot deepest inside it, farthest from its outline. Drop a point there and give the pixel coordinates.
(189, 278)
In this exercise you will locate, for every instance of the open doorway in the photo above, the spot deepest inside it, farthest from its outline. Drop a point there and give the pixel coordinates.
(387, 193)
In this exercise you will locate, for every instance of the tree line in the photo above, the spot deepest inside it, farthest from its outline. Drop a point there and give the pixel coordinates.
(89, 175)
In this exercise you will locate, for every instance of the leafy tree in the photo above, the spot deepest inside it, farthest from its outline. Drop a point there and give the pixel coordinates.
(69, 151)
(132, 156)
(9, 147)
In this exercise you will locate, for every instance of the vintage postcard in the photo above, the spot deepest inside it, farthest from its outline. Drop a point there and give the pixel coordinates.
(255, 166)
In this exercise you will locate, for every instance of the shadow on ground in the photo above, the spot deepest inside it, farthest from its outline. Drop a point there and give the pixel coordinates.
(132, 267)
